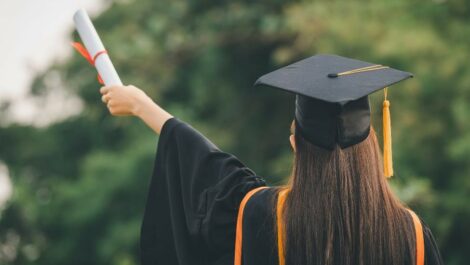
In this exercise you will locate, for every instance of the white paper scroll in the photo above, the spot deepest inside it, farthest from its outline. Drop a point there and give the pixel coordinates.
(93, 44)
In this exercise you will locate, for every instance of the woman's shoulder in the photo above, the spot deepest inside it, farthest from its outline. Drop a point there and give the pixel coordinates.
(432, 255)
(261, 203)
(263, 196)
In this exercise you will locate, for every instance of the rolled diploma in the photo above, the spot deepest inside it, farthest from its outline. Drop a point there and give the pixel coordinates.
(93, 44)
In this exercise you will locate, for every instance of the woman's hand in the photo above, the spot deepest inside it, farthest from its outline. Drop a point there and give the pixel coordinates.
(130, 100)
(123, 100)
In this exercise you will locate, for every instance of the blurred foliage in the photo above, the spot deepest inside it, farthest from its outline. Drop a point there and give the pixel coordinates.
(80, 184)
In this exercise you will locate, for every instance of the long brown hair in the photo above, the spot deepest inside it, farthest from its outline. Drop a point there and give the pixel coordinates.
(340, 209)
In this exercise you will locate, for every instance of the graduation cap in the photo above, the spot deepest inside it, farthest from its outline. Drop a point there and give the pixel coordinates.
(332, 105)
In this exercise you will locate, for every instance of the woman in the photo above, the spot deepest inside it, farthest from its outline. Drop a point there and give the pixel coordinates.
(336, 209)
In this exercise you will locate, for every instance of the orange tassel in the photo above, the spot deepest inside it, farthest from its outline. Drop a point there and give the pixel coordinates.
(387, 138)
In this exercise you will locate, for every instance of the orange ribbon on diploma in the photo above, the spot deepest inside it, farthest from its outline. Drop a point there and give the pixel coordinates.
(93, 50)
(84, 52)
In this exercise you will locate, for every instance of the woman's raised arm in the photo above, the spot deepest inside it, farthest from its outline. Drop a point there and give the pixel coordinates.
(132, 101)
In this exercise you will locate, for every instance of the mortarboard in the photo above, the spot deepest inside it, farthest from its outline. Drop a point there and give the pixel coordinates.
(332, 105)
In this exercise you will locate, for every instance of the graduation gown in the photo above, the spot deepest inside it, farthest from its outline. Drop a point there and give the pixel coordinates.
(192, 205)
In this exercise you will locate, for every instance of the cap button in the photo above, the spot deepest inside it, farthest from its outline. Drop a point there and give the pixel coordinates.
(332, 75)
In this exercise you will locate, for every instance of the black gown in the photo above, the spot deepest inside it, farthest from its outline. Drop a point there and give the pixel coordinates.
(192, 206)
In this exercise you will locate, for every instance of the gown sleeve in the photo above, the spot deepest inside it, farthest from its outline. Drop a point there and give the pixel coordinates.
(193, 200)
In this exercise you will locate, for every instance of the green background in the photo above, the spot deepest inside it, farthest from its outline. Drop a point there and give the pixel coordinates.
(80, 183)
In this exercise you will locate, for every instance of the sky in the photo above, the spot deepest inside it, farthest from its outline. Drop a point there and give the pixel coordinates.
(33, 34)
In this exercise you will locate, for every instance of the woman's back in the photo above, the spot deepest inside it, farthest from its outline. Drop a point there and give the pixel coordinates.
(259, 233)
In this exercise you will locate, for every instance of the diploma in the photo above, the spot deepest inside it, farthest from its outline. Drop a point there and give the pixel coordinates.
(95, 48)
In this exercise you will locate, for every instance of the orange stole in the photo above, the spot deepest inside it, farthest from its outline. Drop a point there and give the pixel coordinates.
(280, 227)
(419, 238)
(239, 232)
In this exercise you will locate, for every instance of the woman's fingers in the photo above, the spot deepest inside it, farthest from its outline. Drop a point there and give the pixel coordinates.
(107, 89)
(121, 100)
(116, 110)
(105, 99)
(103, 90)
(111, 107)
